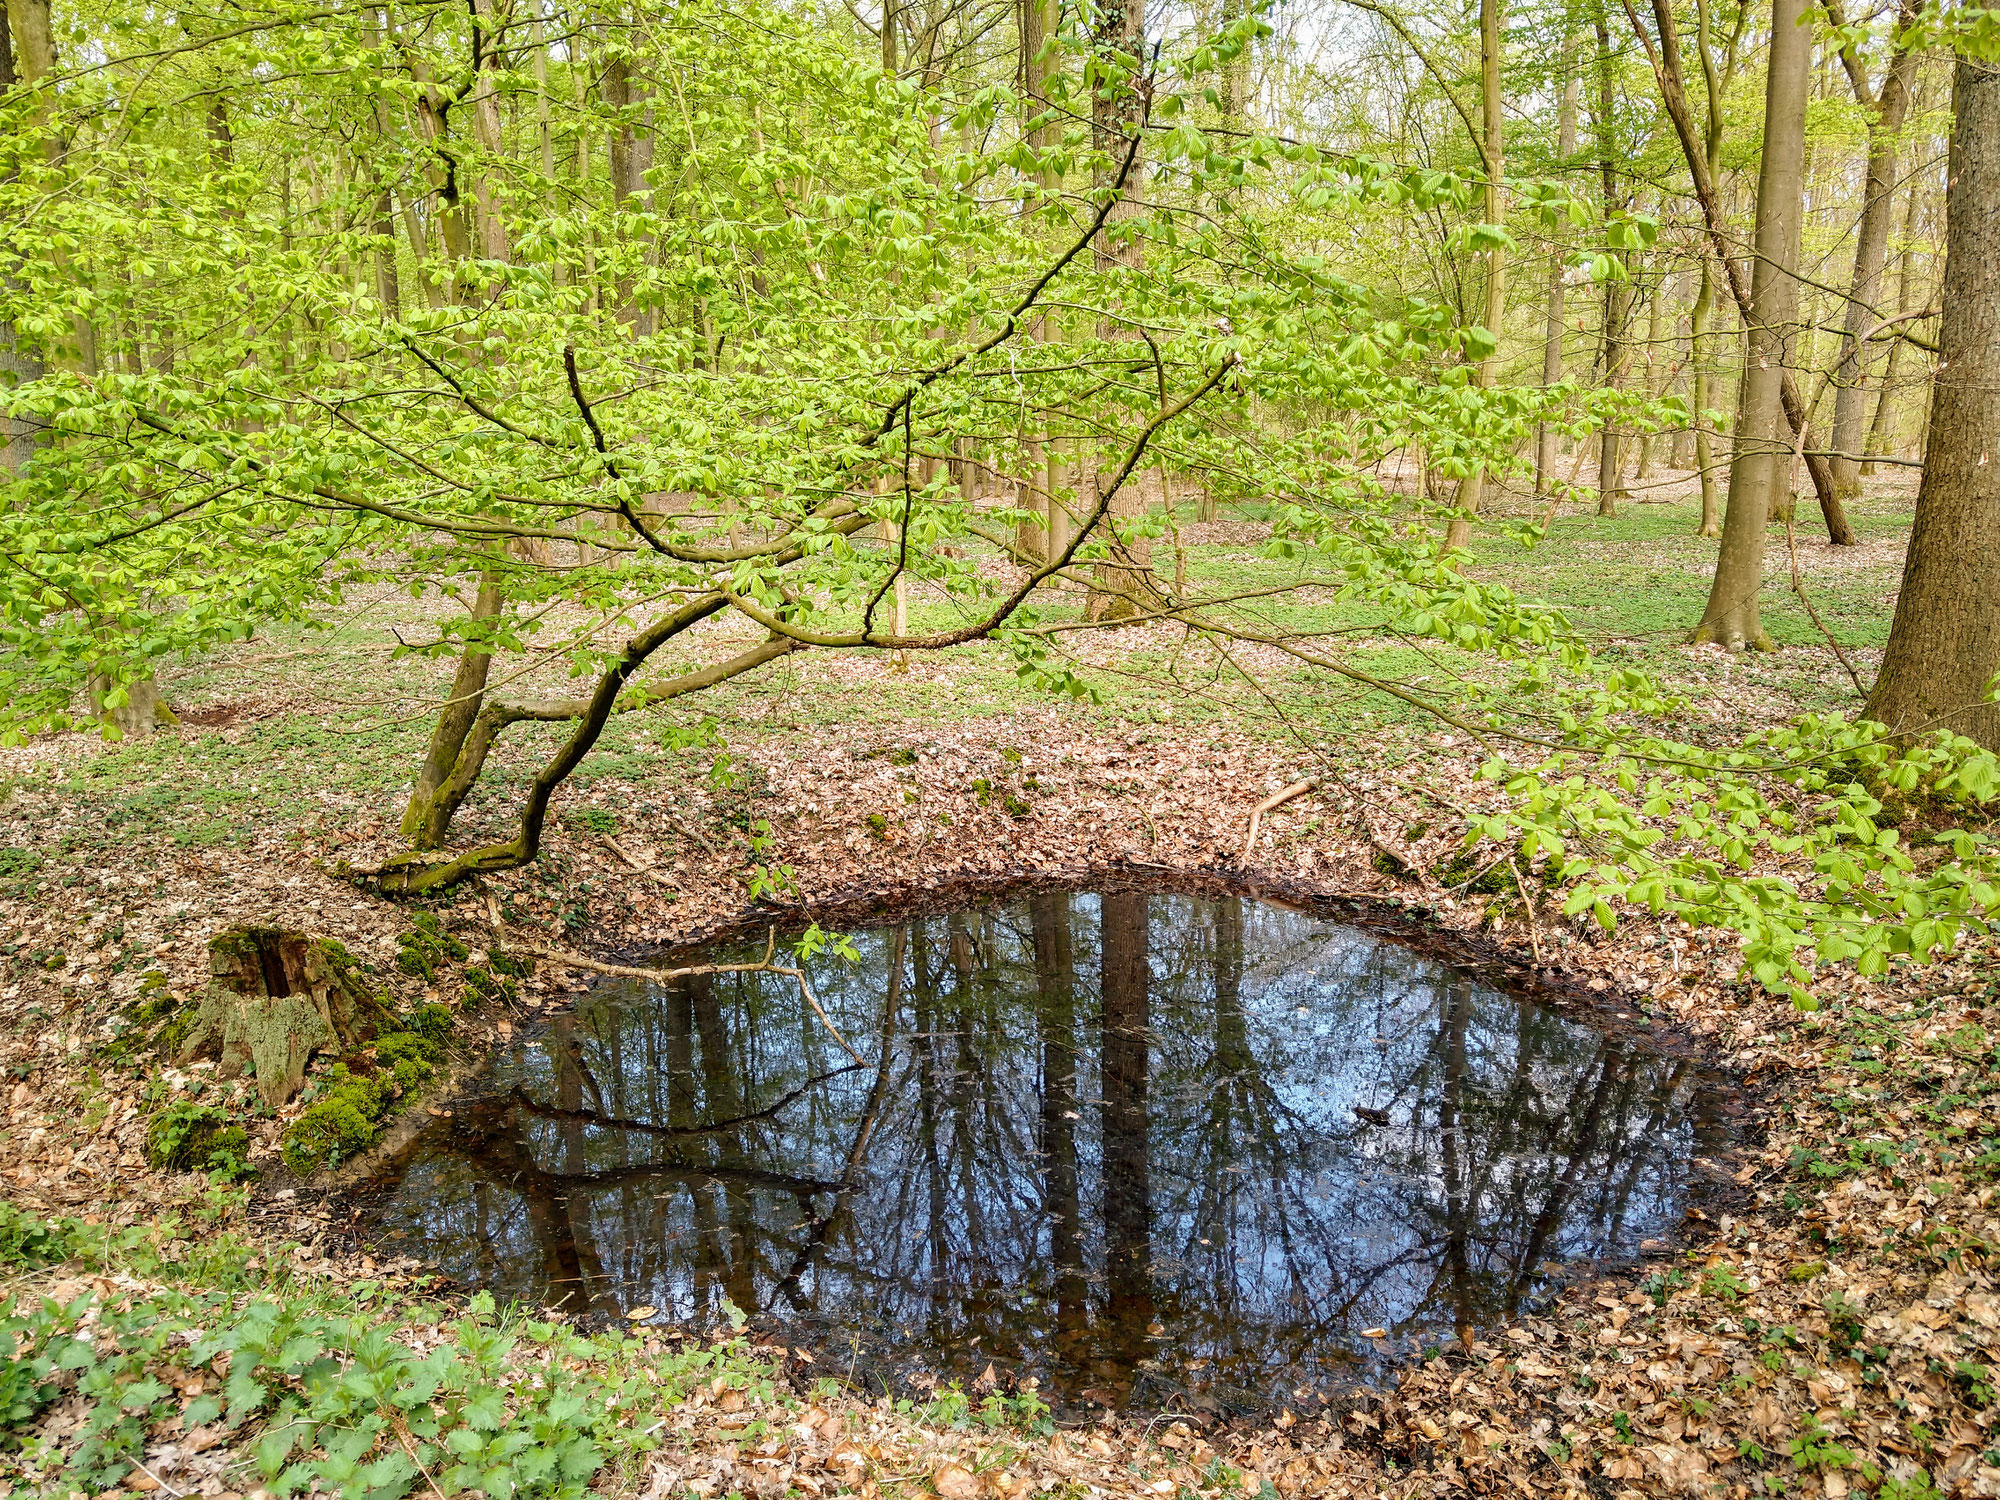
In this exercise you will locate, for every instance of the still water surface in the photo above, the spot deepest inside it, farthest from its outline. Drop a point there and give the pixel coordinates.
(1142, 1147)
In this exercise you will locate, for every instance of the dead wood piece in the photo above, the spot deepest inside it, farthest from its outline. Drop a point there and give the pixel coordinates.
(1275, 800)
(275, 997)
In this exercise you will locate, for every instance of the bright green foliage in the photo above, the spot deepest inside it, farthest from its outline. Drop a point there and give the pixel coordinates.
(503, 1405)
(354, 324)
(26, 1241)
(339, 1123)
(1680, 828)
(329, 1396)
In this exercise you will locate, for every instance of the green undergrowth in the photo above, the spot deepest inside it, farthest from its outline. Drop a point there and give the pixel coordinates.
(309, 1394)
(359, 1389)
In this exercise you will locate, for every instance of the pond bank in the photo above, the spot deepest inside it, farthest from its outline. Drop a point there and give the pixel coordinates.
(1833, 1330)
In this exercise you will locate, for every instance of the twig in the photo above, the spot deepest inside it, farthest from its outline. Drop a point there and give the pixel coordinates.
(637, 867)
(767, 965)
(1275, 800)
(1528, 901)
(1799, 588)
(167, 1488)
(402, 1432)
(686, 830)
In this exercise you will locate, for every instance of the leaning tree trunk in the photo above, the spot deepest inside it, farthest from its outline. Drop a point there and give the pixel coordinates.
(1944, 646)
(1760, 458)
(428, 816)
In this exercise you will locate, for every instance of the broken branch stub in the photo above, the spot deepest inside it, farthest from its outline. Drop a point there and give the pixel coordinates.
(276, 996)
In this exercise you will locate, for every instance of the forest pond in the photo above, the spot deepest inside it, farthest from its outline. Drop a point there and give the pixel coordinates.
(1147, 1148)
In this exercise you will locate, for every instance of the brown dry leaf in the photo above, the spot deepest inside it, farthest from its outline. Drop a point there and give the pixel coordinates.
(954, 1482)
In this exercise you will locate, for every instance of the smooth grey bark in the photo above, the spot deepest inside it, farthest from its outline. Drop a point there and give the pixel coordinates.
(1492, 152)
(1552, 349)
(1610, 450)
(1887, 107)
(20, 363)
(1760, 458)
(1879, 439)
(1944, 644)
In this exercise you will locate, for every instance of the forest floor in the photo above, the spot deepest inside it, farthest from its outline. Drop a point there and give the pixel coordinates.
(1833, 1333)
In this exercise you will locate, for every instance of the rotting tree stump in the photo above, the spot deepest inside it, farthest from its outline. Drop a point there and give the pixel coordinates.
(275, 997)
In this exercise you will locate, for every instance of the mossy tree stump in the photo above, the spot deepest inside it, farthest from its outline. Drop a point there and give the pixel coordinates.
(275, 997)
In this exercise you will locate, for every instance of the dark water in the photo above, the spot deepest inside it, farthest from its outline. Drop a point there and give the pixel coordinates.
(1110, 1141)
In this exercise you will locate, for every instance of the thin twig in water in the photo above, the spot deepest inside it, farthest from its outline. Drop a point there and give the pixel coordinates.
(768, 965)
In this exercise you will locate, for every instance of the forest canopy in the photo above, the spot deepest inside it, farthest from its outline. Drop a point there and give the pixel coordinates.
(668, 342)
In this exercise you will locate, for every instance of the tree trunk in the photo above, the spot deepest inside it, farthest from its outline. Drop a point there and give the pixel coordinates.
(493, 242)
(1036, 534)
(1552, 349)
(1871, 243)
(1610, 453)
(1127, 1153)
(1655, 366)
(1666, 62)
(20, 363)
(1944, 645)
(1492, 150)
(1879, 440)
(1698, 358)
(1121, 581)
(428, 817)
(1760, 460)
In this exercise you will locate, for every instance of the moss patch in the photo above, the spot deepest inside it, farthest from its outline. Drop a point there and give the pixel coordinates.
(346, 1117)
(189, 1137)
(427, 947)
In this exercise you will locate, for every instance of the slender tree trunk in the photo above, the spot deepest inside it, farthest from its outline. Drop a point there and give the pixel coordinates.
(20, 362)
(1062, 1209)
(1944, 645)
(1610, 448)
(1667, 71)
(1119, 582)
(1879, 440)
(1492, 149)
(1760, 462)
(1871, 243)
(1552, 339)
(1656, 365)
(1127, 1161)
(493, 243)
(1040, 533)
(1698, 359)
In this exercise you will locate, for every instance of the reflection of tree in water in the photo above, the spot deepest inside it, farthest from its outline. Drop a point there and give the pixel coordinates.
(1109, 1138)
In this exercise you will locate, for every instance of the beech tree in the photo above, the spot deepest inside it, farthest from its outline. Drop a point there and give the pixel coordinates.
(1939, 668)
